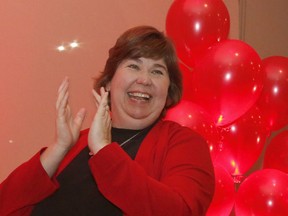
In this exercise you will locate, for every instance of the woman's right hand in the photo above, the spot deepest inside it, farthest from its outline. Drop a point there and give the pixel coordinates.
(67, 131)
(67, 128)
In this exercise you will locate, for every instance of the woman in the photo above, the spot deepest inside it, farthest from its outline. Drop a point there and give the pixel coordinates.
(130, 162)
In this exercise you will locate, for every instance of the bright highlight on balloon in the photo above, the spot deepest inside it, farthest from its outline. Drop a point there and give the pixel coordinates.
(211, 147)
(275, 90)
(197, 26)
(233, 128)
(228, 76)
(255, 88)
(270, 203)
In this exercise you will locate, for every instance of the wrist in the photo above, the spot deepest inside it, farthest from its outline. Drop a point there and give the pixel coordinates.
(60, 149)
(52, 157)
(95, 149)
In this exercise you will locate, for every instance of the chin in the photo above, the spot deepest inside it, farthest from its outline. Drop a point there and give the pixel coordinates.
(147, 120)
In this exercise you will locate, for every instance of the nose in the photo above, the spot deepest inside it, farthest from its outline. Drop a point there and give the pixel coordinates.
(144, 78)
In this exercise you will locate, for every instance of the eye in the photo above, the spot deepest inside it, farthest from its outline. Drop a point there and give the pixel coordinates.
(157, 72)
(133, 66)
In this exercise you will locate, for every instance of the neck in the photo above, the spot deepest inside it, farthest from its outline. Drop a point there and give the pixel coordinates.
(132, 123)
(135, 125)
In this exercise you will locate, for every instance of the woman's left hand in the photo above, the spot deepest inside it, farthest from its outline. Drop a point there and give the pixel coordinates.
(100, 130)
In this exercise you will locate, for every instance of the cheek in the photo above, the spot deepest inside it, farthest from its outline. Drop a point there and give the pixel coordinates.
(163, 88)
(120, 80)
(116, 83)
(167, 98)
(163, 95)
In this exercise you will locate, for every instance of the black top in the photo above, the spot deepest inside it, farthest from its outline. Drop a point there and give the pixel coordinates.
(78, 193)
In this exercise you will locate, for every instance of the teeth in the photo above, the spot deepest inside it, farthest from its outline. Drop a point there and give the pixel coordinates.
(138, 94)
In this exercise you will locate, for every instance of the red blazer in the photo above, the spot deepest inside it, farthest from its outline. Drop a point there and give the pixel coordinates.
(172, 174)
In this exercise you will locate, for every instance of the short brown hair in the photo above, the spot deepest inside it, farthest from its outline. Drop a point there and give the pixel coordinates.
(147, 42)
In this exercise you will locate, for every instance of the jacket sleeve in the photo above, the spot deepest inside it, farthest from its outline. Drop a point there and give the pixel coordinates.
(25, 186)
(185, 186)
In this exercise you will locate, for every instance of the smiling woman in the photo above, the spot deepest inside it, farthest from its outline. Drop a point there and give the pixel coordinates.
(120, 166)
(139, 91)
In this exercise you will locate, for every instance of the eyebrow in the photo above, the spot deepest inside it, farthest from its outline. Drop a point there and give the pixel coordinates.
(155, 65)
(161, 66)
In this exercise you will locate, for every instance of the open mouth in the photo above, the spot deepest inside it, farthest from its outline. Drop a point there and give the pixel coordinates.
(139, 96)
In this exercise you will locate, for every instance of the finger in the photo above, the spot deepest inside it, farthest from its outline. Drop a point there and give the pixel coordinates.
(78, 120)
(63, 105)
(102, 91)
(104, 100)
(62, 94)
(63, 83)
(104, 95)
(97, 98)
(102, 112)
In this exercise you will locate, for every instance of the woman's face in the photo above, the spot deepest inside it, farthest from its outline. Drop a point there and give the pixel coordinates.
(138, 92)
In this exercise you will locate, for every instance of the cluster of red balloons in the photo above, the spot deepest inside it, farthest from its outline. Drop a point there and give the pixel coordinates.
(234, 99)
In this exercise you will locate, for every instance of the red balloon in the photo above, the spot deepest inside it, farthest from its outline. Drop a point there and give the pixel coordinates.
(194, 25)
(224, 196)
(264, 192)
(191, 115)
(273, 100)
(241, 143)
(276, 155)
(228, 81)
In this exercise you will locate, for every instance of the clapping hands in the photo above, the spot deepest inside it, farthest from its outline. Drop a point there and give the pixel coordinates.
(100, 130)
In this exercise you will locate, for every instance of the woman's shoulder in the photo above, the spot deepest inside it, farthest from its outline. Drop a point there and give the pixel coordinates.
(173, 129)
(173, 126)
